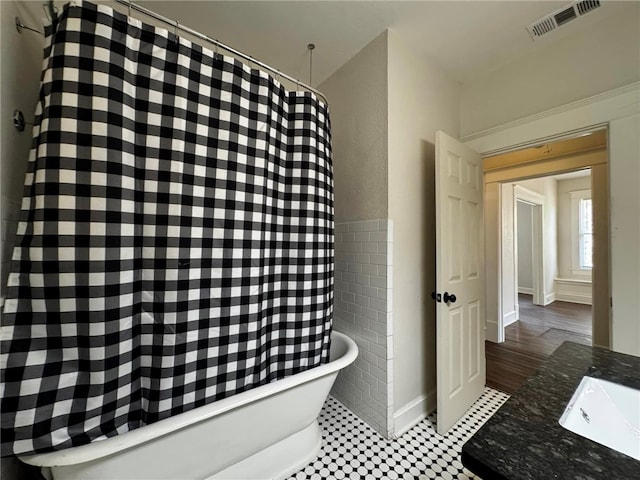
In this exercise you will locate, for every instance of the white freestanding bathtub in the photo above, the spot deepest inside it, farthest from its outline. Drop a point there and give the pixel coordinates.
(265, 433)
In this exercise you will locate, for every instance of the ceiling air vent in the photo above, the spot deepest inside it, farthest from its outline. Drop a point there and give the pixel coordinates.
(561, 17)
(565, 16)
(587, 5)
(542, 27)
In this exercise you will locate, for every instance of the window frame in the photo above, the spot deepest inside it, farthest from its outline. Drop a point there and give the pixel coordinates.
(576, 197)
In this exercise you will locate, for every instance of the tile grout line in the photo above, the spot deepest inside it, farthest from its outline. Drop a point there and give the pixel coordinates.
(352, 449)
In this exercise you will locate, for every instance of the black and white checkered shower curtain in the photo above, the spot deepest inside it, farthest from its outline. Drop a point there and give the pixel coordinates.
(176, 239)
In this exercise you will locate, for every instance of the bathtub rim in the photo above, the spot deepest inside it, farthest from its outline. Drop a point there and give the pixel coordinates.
(109, 446)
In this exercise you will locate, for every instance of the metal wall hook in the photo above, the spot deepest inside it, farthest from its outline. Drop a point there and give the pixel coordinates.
(20, 26)
(18, 120)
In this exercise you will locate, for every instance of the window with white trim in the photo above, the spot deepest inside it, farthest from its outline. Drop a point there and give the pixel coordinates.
(581, 232)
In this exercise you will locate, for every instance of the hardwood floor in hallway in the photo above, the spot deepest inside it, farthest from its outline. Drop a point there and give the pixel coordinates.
(533, 338)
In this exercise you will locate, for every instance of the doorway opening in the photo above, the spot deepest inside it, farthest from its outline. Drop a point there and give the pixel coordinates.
(553, 254)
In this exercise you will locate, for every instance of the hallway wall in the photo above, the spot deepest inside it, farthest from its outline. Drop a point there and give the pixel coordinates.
(547, 187)
(525, 251)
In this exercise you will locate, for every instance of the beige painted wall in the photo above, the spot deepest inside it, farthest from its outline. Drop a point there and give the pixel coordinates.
(624, 158)
(417, 99)
(357, 95)
(421, 100)
(571, 69)
(20, 67)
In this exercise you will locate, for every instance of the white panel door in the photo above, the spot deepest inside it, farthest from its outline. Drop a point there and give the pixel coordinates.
(459, 279)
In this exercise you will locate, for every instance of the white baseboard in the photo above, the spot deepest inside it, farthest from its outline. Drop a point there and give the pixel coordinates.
(525, 290)
(413, 413)
(573, 290)
(509, 318)
(574, 298)
(491, 331)
(549, 298)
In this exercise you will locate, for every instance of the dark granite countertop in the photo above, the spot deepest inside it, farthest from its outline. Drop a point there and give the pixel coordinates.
(523, 439)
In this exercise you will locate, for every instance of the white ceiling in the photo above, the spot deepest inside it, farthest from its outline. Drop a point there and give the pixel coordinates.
(465, 38)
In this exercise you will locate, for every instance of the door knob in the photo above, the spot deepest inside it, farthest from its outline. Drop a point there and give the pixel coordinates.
(436, 296)
(449, 298)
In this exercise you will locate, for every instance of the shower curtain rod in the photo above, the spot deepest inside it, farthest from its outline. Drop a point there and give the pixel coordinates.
(177, 25)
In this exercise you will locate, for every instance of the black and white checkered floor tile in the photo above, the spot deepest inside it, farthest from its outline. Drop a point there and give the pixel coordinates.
(352, 450)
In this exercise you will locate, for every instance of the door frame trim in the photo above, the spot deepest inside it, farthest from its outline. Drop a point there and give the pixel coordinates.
(536, 201)
(601, 276)
(557, 123)
(589, 113)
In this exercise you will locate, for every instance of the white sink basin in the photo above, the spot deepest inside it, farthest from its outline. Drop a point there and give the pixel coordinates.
(607, 413)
